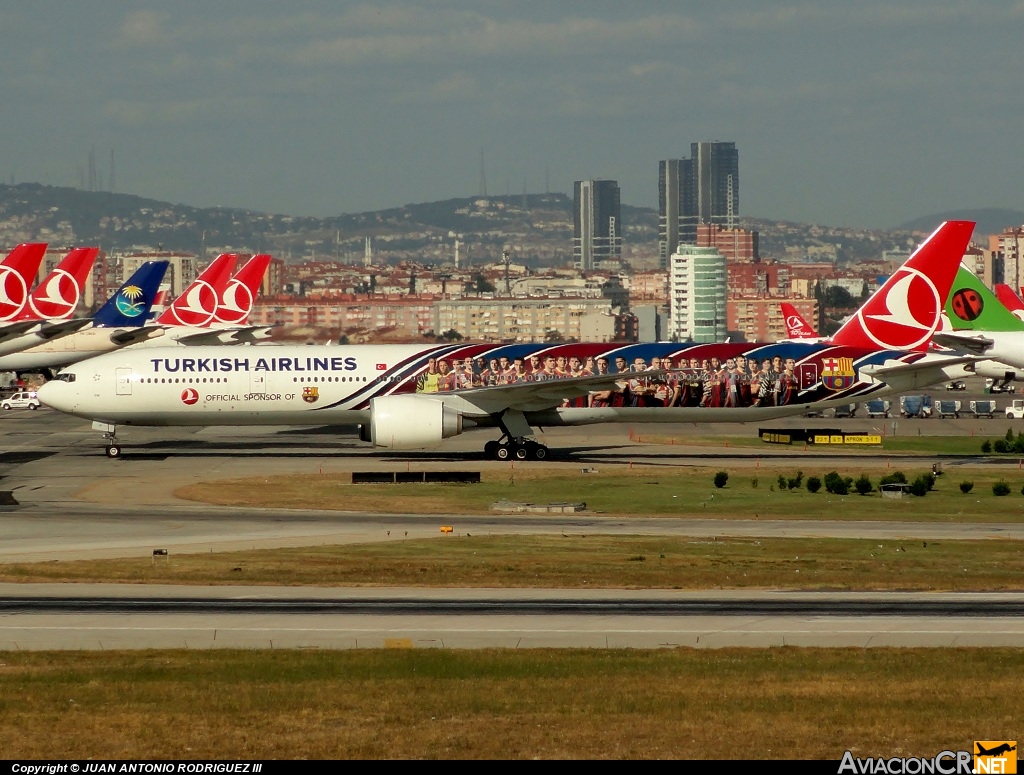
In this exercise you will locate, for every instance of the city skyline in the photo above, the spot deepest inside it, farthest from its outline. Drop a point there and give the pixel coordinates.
(862, 115)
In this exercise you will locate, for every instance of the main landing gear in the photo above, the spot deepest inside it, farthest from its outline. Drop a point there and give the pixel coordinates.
(515, 449)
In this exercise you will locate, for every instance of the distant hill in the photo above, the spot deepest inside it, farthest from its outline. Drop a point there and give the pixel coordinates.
(990, 220)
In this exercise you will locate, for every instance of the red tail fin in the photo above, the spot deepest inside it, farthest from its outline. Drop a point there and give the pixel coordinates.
(905, 312)
(57, 296)
(796, 326)
(237, 300)
(17, 273)
(197, 306)
(1009, 299)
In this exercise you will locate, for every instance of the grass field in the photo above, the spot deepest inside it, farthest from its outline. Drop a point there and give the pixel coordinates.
(576, 561)
(751, 493)
(427, 704)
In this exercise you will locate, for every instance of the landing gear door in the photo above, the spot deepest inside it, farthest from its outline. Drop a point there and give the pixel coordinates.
(123, 377)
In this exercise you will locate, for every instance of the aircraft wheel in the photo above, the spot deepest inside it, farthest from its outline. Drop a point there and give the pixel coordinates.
(491, 448)
(540, 452)
(114, 450)
(522, 453)
(503, 452)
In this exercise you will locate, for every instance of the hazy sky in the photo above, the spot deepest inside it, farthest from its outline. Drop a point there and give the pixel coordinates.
(845, 113)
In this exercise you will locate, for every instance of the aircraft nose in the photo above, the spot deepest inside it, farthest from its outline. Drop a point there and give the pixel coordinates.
(56, 395)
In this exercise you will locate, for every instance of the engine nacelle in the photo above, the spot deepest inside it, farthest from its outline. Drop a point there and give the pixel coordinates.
(995, 370)
(411, 422)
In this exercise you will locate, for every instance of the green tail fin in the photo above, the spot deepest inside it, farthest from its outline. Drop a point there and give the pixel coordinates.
(971, 306)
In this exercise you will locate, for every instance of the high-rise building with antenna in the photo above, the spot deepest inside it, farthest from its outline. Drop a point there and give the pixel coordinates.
(704, 189)
(597, 223)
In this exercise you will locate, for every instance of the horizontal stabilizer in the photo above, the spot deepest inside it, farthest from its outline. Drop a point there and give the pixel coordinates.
(964, 342)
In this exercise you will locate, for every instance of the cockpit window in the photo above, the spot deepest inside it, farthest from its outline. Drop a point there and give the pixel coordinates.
(65, 377)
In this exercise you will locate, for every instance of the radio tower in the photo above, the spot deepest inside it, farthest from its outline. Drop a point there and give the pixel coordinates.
(506, 259)
(483, 175)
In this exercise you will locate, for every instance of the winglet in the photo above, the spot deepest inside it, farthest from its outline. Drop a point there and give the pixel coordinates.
(796, 326)
(197, 306)
(130, 305)
(57, 296)
(238, 297)
(905, 312)
(17, 273)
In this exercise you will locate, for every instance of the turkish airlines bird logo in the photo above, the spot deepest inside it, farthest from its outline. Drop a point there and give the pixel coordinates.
(235, 303)
(13, 293)
(189, 396)
(58, 298)
(908, 314)
(796, 327)
(197, 307)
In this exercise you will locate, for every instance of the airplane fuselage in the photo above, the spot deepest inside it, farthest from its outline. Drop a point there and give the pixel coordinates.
(335, 385)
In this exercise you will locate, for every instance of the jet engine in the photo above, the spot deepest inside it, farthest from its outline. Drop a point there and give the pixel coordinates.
(410, 422)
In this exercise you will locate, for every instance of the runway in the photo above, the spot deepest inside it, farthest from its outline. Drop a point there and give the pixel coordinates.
(65, 501)
(48, 616)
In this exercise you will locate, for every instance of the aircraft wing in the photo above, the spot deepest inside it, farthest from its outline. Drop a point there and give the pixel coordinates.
(16, 329)
(229, 335)
(48, 331)
(972, 343)
(920, 374)
(535, 396)
(128, 336)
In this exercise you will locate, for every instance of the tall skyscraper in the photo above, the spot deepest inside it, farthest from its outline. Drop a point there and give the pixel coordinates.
(597, 223)
(702, 189)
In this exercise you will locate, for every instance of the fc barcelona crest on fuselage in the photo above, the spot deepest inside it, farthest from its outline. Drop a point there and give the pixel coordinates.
(310, 394)
(837, 373)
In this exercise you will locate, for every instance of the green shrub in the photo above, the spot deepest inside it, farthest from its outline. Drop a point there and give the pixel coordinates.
(1009, 434)
(1018, 445)
(794, 483)
(863, 485)
(832, 479)
(1000, 488)
(721, 478)
(783, 484)
(1001, 446)
(966, 487)
(986, 446)
(896, 477)
(813, 484)
(929, 480)
(919, 486)
(753, 482)
(799, 480)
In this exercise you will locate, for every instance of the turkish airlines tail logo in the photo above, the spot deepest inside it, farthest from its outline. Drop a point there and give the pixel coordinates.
(907, 309)
(195, 307)
(796, 326)
(238, 297)
(58, 295)
(16, 273)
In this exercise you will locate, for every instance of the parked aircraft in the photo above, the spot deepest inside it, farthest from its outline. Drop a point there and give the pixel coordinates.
(113, 325)
(976, 322)
(797, 329)
(190, 319)
(48, 313)
(410, 396)
(215, 308)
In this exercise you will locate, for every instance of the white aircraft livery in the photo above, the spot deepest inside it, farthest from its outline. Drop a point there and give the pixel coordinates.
(414, 396)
